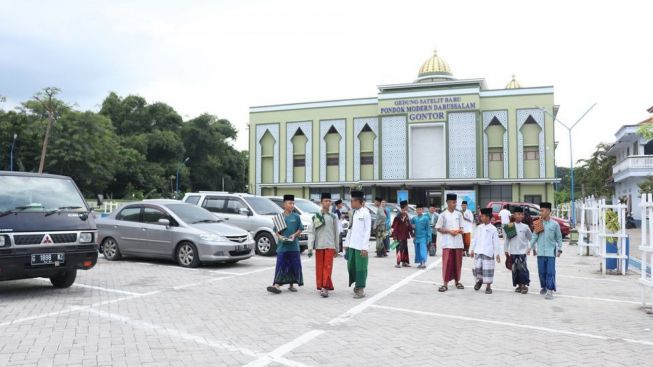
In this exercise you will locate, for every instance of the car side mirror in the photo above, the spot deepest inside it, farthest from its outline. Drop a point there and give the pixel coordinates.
(244, 211)
(164, 222)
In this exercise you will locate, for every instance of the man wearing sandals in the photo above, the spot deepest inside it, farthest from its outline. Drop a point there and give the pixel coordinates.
(450, 227)
(289, 265)
(324, 236)
(485, 248)
(547, 245)
(517, 247)
(358, 244)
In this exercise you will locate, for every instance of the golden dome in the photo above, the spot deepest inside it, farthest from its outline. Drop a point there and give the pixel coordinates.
(513, 84)
(435, 68)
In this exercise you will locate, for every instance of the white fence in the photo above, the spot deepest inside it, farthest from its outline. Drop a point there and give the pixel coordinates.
(646, 247)
(593, 231)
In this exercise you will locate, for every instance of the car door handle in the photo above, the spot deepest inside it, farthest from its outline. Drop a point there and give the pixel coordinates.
(143, 229)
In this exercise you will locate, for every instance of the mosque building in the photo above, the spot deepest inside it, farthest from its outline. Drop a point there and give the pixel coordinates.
(419, 140)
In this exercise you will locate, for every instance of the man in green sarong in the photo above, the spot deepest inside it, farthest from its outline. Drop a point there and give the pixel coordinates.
(358, 244)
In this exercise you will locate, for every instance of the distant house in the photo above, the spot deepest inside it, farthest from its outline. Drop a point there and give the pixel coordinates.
(634, 162)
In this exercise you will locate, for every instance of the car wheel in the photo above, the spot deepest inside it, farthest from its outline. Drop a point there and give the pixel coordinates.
(265, 244)
(187, 255)
(110, 249)
(64, 279)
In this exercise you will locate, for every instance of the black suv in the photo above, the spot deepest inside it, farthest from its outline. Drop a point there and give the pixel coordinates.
(46, 228)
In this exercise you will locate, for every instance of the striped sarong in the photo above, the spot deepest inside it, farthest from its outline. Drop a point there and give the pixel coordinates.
(483, 268)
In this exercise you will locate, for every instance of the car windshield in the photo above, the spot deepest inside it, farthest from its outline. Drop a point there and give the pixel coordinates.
(307, 207)
(29, 194)
(192, 214)
(263, 206)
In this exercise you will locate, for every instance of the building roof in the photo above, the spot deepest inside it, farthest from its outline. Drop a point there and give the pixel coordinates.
(513, 84)
(434, 68)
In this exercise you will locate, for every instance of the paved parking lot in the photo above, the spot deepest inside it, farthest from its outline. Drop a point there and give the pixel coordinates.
(150, 313)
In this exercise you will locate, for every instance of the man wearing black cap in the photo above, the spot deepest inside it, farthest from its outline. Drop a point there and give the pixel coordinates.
(289, 265)
(379, 228)
(547, 245)
(468, 224)
(401, 229)
(324, 236)
(421, 224)
(358, 244)
(450, 227)
(517, 248)
(485, 248)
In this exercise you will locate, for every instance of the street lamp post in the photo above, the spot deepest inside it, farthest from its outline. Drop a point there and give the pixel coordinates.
(571, 159)
(178, 168)
(11, 154)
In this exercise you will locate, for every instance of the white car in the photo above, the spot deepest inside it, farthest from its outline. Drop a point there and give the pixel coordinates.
(249, 212)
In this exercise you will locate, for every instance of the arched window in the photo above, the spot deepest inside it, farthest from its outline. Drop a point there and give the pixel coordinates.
(332, 141)
(495, 132)
(267, 157)
(367, 139)
(299, 141)
(531, 157)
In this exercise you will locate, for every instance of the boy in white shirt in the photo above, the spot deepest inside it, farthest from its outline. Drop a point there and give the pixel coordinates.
(485, 248)
(517, 248)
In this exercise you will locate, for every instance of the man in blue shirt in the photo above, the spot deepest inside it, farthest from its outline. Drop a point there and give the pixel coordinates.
(289, 265)
(547, 245)
(421, 224)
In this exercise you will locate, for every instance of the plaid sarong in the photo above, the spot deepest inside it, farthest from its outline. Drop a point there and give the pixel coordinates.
(483, 268)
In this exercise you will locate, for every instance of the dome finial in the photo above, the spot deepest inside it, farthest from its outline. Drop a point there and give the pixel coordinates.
(435, 68)
(513, 84)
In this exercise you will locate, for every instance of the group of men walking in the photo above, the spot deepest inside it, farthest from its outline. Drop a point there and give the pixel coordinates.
(452, 228)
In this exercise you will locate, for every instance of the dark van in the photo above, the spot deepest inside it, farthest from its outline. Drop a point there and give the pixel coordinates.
(46, 228)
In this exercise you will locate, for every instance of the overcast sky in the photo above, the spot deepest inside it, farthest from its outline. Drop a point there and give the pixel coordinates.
(221, 57)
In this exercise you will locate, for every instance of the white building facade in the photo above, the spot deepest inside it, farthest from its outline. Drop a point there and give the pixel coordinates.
(634, 162)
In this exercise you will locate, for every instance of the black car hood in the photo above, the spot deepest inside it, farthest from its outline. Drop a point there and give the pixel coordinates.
(38, 222)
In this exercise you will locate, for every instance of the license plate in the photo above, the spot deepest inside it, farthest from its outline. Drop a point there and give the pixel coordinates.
(48, 259)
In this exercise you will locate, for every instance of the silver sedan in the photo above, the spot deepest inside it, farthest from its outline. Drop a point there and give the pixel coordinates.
(170, 229)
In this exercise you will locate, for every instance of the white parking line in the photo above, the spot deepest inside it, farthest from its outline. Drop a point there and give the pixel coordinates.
(76, 308)
(379, 296)
(278, 353)
(241, 273)
(138, 324)
(346, 316)
(520, 326)
(110, 290)
(557, 295)
(588, 278)
(106, 289)
(143, 325)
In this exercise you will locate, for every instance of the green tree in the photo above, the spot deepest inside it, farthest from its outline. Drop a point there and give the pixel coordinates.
(151, 146)
(646, 186)
(595, 172)
(208, 141)
(84, 147)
